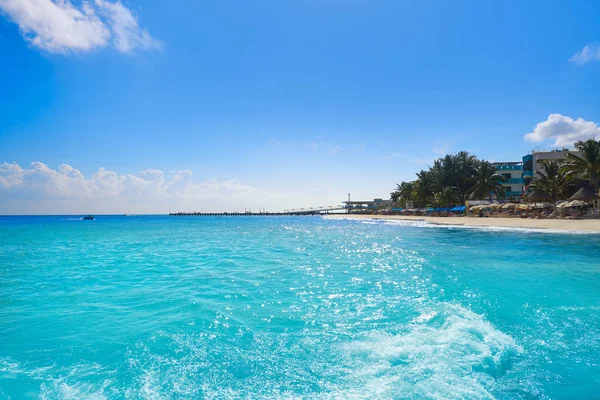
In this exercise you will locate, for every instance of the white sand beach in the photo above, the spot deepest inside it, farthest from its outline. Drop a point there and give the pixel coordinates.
(591, 225)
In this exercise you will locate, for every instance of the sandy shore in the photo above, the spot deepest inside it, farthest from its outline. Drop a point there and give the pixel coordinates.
(591, 225)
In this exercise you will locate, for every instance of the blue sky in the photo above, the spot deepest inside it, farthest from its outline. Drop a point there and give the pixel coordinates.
(278, 104)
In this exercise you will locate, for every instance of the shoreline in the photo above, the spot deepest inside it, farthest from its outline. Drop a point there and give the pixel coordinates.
(570, 225)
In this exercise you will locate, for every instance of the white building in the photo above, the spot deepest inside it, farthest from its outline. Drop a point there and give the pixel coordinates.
(532, 162)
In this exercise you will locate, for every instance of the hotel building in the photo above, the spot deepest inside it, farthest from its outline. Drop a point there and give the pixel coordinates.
(513, 183)
(532, 162)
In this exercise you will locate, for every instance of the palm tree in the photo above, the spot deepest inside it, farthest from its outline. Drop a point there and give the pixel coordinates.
(456, 171)
(423, 191)
(446, 197)
(405, 192)
(468, 164)
(553, 179)
(587, 164)
(487, 182)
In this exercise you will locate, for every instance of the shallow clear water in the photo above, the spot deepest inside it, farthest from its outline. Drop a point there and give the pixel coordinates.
(159, 307)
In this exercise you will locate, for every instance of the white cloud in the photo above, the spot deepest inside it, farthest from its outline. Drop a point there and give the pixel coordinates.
(588, 53)
(563, 130)
(127, 34)
(58, 26)
(40, 189)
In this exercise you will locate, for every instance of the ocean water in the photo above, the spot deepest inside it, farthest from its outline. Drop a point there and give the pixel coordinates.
(160, 307)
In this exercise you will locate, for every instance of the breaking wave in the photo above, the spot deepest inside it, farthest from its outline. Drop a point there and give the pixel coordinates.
(427, 224)
(448, 352)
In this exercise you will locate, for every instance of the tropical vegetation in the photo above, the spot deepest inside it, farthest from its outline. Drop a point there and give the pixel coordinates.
(586, 165)
(552, 179)
(486, 182)
(451, 180)
(456, 178)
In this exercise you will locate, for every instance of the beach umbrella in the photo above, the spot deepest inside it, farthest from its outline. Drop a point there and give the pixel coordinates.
(584, 194)
(536, 196)
(577, 203)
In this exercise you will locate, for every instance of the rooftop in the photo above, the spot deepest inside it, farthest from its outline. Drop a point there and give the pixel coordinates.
(365, 201)
(507, 163)
(559, 150)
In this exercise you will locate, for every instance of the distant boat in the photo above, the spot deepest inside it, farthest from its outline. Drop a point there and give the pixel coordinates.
(127, 215)
(88, 218)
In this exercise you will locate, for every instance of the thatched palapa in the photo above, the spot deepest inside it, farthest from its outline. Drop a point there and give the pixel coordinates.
(584, 194)
(537, 196)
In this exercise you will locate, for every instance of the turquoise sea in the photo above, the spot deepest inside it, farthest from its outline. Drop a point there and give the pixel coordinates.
(158, 307)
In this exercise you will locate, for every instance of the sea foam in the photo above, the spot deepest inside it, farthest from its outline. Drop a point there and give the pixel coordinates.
(446, 352)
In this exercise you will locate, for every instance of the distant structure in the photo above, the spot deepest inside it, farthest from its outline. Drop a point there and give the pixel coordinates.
(366, 205)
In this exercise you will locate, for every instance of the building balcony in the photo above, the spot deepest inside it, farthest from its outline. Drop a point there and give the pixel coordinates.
(514, 181)
(512, 194)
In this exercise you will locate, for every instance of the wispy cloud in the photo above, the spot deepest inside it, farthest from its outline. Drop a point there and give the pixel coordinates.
(323, 187)
(589, 53)
(421, 160)
(333, 150)
(59, 26)
(441, 150)
(323, 145)
(563, 130)
(392, 155)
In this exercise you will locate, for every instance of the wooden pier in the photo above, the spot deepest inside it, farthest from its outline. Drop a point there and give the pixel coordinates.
(235, 214)
(322, 211)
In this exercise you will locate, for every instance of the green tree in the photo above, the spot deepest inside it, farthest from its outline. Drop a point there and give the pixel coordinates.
(395, 196)
(423, 192)
(486, 182)
(447, 182)
(446, 197)
(587, 163)
(457, 171)
(553, 179)
(404, 193)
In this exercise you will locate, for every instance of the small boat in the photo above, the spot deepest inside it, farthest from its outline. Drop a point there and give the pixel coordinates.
(88, 218)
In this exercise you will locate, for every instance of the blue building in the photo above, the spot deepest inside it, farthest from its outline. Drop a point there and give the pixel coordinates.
(513, 183)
